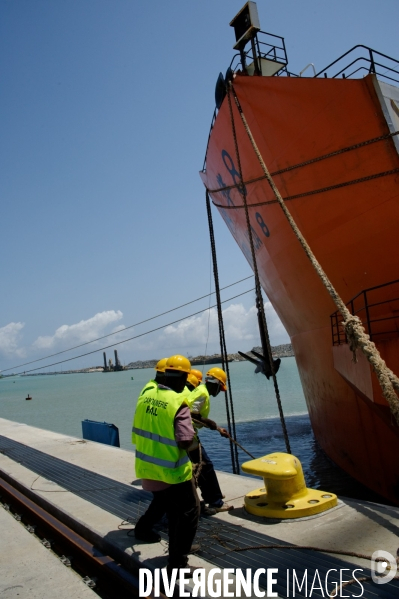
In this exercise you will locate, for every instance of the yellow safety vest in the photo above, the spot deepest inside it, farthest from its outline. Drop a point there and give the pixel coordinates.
(150, 385)
(201, 395)
(185, 394)
(158, 457)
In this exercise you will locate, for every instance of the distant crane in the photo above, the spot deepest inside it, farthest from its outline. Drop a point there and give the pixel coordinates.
(110, 367)
(118, 366)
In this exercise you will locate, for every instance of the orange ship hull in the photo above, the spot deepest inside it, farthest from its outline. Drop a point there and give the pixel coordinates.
(347, 207)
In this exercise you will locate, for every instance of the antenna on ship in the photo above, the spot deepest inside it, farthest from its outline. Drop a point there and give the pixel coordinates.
(246, 25)
(268, 56)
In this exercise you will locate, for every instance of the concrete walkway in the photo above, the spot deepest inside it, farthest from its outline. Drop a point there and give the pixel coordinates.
(29, 570)
(353, 526)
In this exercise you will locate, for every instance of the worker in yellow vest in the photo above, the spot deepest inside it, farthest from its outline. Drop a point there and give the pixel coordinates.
(199, 403)
(197, 374)
(162, 432)
(159, 375)
(192, 382)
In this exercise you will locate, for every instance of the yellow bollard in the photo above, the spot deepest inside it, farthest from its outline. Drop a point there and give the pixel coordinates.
(285, 494)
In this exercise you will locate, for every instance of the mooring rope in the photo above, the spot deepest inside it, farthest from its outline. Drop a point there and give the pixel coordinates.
(197, 468)
(355, 332)
(304, 194)
(310, 161)
(223, 349)
(258, 291)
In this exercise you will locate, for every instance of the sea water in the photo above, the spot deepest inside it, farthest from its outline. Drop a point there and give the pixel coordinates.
(60, 403)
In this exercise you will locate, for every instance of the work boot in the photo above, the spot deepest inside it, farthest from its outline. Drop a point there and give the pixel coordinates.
(147, 536)
(206, 511)
(223, 507)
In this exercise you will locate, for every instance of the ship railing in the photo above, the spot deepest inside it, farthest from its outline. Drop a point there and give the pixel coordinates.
(378, 309)
(267, 46)
(272, 48)
(363, 60)
(371, 61)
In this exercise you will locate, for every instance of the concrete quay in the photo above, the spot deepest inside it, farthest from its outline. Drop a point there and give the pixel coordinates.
(353, 526)
(28, 569)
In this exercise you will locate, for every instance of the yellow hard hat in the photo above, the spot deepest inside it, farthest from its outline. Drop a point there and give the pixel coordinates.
(197, 373)
(219, 375)
(178, 362)
(160, 367)
(192, 379)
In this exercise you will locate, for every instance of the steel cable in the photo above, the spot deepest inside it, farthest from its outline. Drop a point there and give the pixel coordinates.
(125, 329)
(223, 350)
(258, 291)
(135, 337)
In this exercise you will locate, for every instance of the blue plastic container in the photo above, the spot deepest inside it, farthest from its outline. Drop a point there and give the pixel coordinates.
(101, 432)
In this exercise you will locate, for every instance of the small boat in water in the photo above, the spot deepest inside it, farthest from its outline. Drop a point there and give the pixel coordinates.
(29, 397)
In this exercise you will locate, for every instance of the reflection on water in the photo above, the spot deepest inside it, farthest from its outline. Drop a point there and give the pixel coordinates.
(262, 437)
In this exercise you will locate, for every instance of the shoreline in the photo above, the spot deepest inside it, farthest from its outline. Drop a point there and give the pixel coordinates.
(278, 351)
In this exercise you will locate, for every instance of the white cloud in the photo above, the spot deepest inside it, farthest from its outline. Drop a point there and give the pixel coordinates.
(120, 327)
(9, 338)
(190, 336)
(81, 332)
(192, 331)
(240, 324)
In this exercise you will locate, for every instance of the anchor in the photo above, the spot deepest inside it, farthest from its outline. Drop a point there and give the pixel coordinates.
(262, 360)
(262, 363)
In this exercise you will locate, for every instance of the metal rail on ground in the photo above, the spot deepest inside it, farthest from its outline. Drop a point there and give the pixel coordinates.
(110, 578)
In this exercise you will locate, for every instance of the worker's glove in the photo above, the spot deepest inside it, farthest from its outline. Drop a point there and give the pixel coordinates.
(223, 432)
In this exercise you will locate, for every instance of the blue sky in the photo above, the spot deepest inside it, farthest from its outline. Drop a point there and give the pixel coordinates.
(106, 108)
